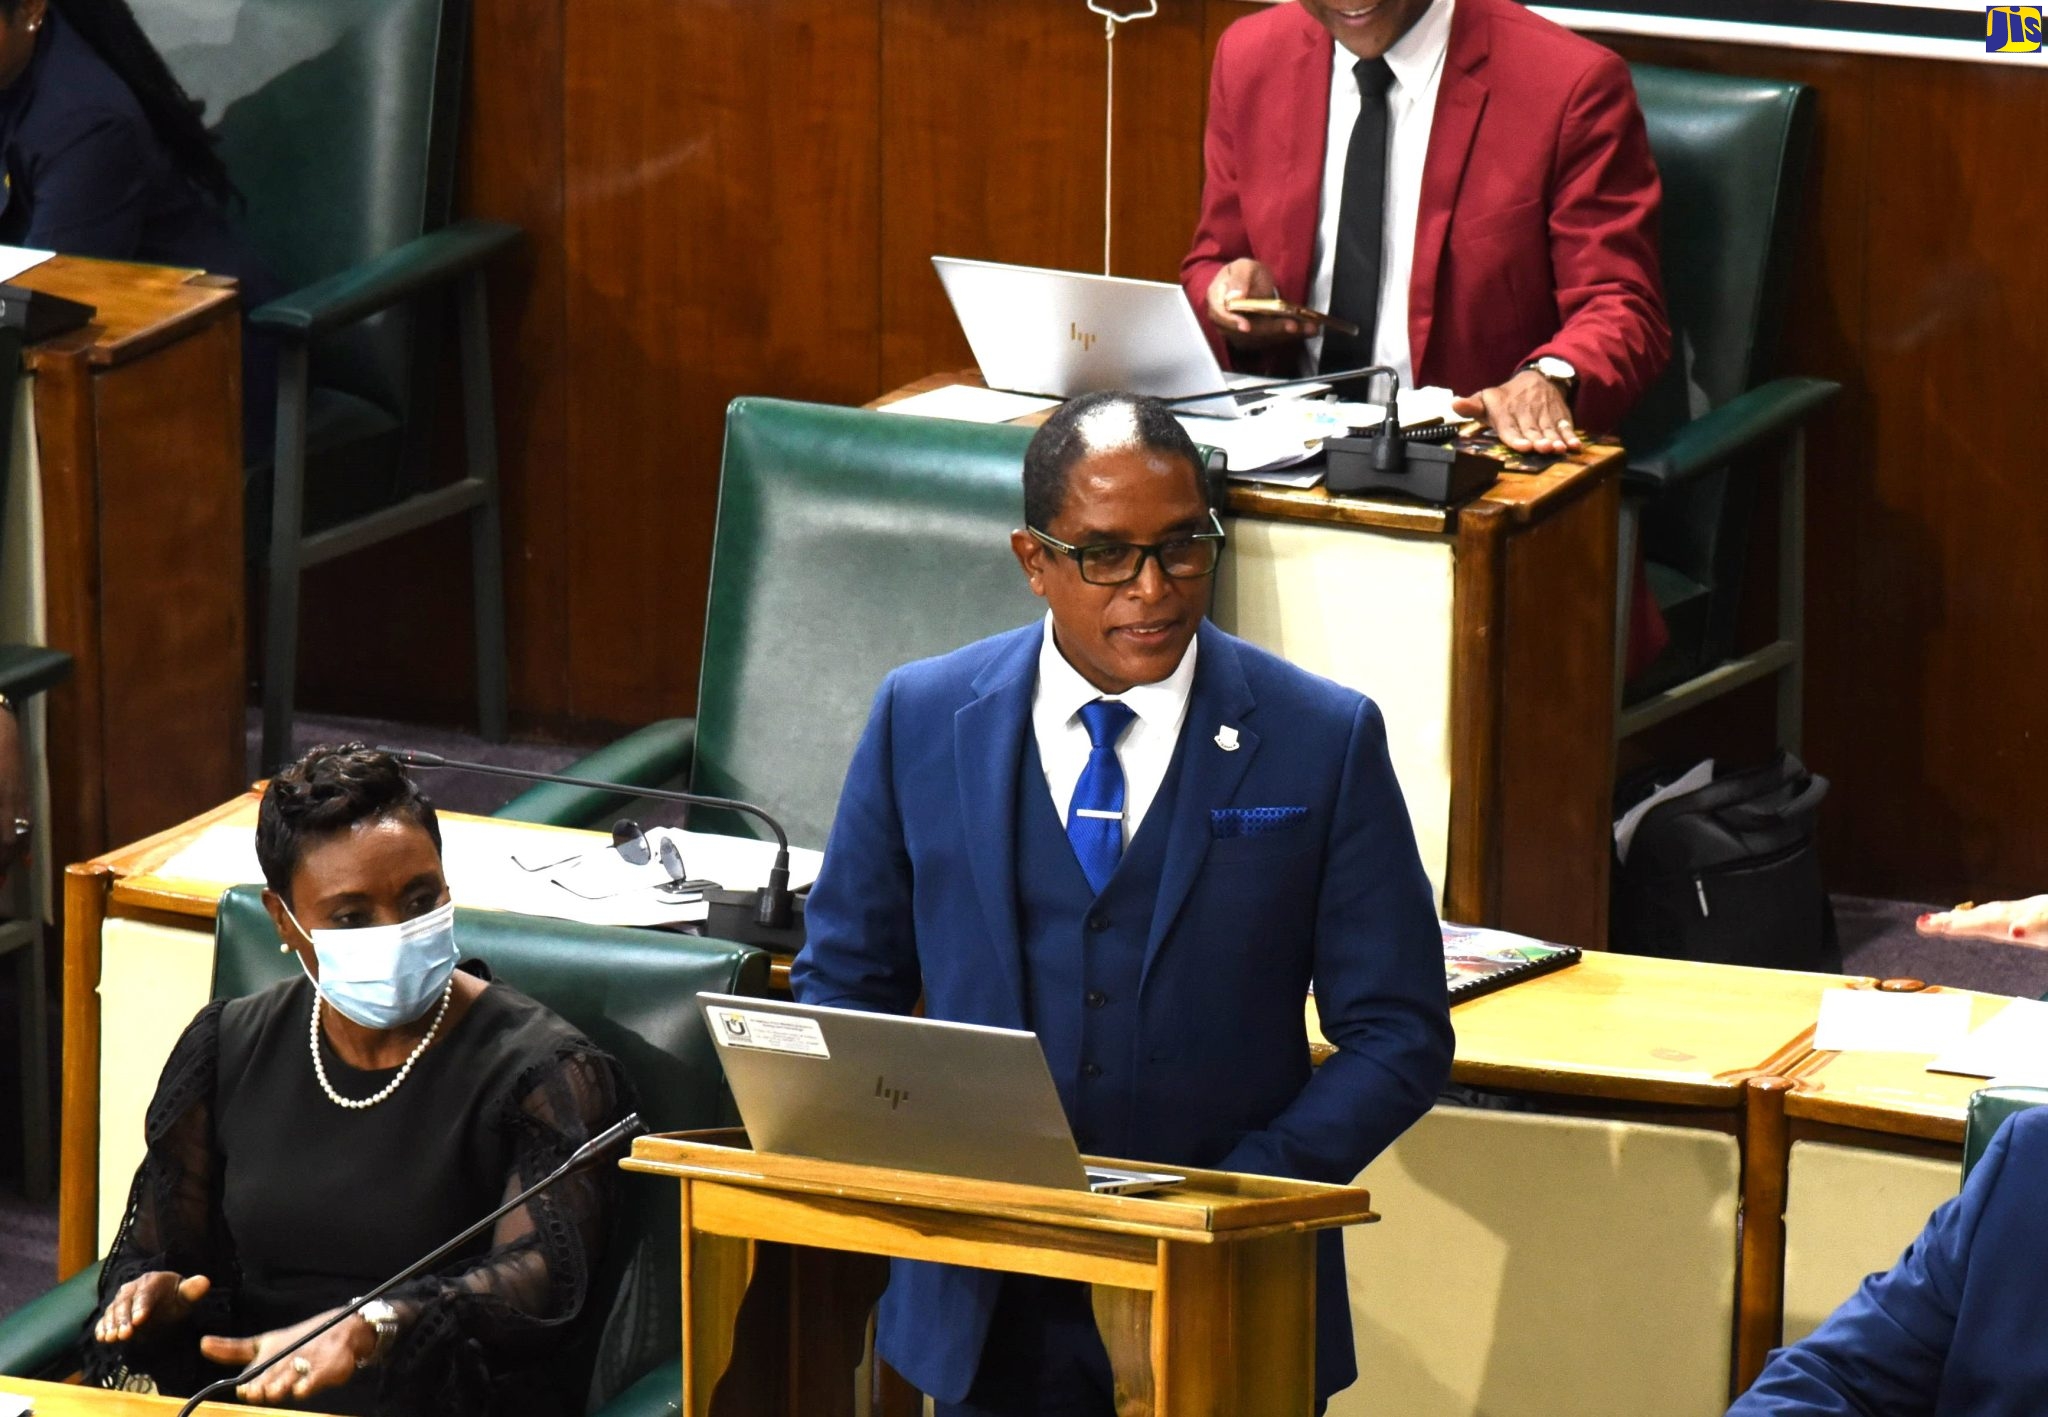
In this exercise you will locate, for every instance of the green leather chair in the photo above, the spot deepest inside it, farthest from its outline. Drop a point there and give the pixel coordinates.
(1733, 156)
(631, 992)
(848, 542)
(1989, 1107)
(338, 121)
(26, 671)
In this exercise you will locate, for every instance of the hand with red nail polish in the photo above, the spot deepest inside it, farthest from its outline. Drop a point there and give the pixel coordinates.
(2022, 922)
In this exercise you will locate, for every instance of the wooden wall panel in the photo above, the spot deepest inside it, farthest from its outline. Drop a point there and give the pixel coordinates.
(992, 148)
(721, 239)
(517, 89)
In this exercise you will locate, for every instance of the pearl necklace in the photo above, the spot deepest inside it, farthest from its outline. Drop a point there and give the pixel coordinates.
(354, 1104)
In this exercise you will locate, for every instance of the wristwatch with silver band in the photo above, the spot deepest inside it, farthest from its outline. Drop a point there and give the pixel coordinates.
(382, 1316)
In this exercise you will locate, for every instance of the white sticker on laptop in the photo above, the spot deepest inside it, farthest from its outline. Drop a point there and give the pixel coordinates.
(777, 1033)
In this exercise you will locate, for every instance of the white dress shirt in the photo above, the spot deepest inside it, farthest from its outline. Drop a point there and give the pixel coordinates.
(1417, 60)
(1145, 748)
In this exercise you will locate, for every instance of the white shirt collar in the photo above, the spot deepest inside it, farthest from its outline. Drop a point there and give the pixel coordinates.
(1062, 691)
(1417, 56)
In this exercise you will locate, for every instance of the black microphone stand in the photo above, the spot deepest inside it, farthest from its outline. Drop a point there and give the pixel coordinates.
(620, 1130)
(1334, 377)
(775, 918)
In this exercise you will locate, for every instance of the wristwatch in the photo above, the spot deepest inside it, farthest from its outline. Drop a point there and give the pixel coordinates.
(1558, 372)
(383, 1317)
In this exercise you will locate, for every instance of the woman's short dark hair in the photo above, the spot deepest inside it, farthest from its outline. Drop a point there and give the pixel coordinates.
(328, 791)
(1073, 432)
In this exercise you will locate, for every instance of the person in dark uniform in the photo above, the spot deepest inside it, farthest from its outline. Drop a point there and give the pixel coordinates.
(105, 155)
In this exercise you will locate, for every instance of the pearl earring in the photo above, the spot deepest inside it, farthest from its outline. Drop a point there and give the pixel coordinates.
(283, 948)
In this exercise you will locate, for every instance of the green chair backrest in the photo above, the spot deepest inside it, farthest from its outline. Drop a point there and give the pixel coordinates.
(629, 991)
(849, 542)
(338, 120)
(1989, 1107)
(1732, 153)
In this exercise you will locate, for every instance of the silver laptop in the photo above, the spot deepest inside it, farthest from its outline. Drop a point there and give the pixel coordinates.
(912, 1093)
(1062, 333)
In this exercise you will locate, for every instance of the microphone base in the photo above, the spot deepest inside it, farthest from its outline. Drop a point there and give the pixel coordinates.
(732, 918)
(1434, 473)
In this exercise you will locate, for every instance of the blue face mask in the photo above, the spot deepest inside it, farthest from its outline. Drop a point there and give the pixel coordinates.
(382, 976)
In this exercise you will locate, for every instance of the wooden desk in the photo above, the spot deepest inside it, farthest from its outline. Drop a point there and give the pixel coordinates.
(1891, 1094)
(1638, 1029)
(135, 439)
(1486, 634)
(73, 1400)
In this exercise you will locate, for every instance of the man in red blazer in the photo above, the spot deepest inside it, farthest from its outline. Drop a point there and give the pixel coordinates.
(1520, 202)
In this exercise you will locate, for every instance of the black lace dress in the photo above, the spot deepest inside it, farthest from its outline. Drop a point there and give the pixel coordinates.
(292, 1205)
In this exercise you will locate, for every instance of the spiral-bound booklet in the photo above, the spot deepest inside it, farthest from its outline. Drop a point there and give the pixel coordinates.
(1478, 961)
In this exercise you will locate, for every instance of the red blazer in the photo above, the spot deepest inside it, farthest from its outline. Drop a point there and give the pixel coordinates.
(1537, 231)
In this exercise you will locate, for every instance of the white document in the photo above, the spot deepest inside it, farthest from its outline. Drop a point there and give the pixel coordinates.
(968, 403)
(1700, 774)
(1871, 1021)
(1266, 443)
(1269, 444)
(2011, 1045)
(223, 855)
(13, 1406)
(16, 259)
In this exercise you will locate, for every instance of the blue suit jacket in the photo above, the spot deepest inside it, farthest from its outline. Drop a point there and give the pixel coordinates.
(918, 895)
(1954, 1329)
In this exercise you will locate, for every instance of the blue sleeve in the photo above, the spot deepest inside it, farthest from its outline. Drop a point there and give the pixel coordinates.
(91, 191)
(1379, 981)
(860, 937)
(1882, 1353)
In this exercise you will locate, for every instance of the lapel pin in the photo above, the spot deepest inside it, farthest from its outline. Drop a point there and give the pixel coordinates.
(1226, 738)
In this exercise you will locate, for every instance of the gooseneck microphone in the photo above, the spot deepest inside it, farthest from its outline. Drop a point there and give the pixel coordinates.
(773, 905)
(624, 1129)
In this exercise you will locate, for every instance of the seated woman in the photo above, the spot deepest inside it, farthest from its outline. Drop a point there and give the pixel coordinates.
(310, 1140)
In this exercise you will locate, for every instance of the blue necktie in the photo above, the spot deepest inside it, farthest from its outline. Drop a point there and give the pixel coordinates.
(1095, 818)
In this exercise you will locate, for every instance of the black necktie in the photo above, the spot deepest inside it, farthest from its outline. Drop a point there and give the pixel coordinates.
(1361, 223)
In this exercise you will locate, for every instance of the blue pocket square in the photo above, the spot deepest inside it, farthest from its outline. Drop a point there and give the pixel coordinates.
(1227, 822)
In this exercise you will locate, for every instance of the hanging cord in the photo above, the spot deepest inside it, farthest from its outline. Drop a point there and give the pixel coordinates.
(1110, 20)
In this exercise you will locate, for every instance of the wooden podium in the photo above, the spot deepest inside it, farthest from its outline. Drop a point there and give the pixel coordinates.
(1205, 1294)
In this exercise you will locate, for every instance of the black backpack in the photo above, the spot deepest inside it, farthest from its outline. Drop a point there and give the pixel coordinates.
(1728, 873)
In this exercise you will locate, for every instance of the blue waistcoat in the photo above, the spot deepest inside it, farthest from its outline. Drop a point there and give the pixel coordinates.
(1083, 955)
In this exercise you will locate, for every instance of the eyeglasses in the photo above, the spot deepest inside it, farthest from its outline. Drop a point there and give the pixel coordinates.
(1183, 558)
(636, 848)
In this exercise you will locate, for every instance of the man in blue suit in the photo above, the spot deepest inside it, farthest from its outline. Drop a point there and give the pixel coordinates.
(1954, 1328)
(1144, 840)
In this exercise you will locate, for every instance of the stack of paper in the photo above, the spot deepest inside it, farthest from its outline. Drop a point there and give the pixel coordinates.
(506, 865)
(1271, 444)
